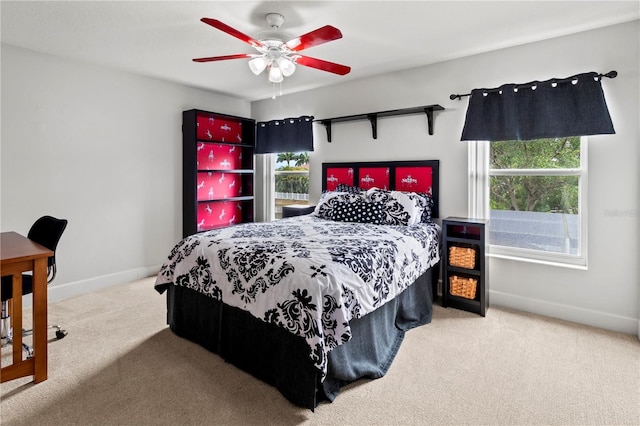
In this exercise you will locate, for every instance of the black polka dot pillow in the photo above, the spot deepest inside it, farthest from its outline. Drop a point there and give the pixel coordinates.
(329, 200)
(360, 212)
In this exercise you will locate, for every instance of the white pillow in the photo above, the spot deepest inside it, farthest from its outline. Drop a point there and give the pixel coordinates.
(401, 208)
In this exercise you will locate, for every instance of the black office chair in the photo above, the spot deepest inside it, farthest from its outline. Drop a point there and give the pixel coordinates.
(46, 231)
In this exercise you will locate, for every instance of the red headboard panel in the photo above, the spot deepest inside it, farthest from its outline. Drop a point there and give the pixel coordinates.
(415, 176)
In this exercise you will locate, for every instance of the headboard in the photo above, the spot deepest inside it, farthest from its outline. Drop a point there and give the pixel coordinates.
(415, 176)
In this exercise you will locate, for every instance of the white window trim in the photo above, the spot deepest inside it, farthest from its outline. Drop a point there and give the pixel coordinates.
(264, 184)
(478, 205)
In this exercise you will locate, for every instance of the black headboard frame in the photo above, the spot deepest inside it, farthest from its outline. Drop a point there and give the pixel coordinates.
(415, 176)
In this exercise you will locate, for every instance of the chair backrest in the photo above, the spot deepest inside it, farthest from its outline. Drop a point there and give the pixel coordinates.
(47, 231)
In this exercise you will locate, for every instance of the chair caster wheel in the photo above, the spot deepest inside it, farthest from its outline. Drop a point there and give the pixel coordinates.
(60, 334)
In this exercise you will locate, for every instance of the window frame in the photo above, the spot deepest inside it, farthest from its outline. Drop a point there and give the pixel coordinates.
(479, 195)
(266, 208)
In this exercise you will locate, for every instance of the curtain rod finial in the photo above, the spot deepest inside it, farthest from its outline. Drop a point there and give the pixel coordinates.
(611, 74)
(453, 96)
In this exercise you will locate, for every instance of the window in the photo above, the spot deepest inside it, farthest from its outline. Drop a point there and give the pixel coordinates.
(534, 193)
(291, 180)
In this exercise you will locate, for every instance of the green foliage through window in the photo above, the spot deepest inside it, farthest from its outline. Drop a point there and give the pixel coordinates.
(528, 191)
(555, 194)
(297, 184)
(558, 153)
(299, 159)
(297, 181)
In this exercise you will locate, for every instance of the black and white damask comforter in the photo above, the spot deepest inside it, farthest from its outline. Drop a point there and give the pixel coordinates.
(308, 275)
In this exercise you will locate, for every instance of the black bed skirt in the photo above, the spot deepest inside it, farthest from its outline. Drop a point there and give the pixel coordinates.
(281, 359)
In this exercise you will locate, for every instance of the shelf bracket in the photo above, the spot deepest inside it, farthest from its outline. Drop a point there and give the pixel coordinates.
(373, 118)
(429, 112)
(327, 126)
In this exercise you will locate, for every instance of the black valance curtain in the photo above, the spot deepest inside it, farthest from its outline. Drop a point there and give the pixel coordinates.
(573, 106)
(287, 135)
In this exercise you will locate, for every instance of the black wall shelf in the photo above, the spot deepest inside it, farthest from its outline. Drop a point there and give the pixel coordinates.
(373, 118)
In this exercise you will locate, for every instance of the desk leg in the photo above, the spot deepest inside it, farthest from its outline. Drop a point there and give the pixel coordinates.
(16, 319)
(40, 319)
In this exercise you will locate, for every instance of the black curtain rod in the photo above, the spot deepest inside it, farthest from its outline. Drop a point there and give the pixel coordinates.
(610, 74)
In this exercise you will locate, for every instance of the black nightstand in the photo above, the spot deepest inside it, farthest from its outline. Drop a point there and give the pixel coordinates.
(465, 269)
(296, 210)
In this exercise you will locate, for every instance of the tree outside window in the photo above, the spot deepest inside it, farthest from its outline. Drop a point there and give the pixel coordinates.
(291, 180)
(535, 194)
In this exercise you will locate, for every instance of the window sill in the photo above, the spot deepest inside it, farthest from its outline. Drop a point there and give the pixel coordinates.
(558, 260)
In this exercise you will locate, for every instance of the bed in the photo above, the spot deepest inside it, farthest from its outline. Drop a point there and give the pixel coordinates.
(311, 303)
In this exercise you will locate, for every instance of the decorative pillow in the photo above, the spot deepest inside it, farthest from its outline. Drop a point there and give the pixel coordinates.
(425, 202)
(343, 187)
(428, 207)
(329, 200)
(361, 212)
(401, 208)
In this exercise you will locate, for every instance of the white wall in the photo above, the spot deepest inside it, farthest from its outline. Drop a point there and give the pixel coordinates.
(101, 148)
(606, 295)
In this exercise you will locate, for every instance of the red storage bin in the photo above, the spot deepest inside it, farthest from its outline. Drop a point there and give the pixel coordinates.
(218, 185)
(217, 214)
(218, 157)
(218, 129)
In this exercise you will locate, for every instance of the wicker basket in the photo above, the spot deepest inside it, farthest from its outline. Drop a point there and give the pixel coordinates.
(463, 287)
(463, 257)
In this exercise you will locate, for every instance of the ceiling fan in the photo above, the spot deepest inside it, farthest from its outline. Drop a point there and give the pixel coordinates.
(278, 56)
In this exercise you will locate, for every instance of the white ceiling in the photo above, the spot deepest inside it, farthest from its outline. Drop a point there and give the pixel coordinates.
(159, 38)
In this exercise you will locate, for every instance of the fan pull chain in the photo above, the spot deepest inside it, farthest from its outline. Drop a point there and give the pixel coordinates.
(273, 92)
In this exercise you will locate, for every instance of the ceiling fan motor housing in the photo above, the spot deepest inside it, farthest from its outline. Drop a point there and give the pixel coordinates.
(275, 20)
(270, 37)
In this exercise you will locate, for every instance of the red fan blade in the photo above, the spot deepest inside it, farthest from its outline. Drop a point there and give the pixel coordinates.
(322, 65)
(231, 31)
(314, 38)
(224, 58)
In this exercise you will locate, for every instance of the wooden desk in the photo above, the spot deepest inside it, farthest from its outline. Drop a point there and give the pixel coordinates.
(17, 255)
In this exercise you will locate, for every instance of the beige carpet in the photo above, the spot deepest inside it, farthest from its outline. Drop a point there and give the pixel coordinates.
(121, 365)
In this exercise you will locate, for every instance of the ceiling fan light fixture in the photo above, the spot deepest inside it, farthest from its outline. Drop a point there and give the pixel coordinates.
(286, 65)
(275, 55)
(275, 74)
(257, 65)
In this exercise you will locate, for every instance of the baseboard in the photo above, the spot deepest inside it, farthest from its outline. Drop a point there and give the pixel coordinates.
(590, 317)
(59, 292)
